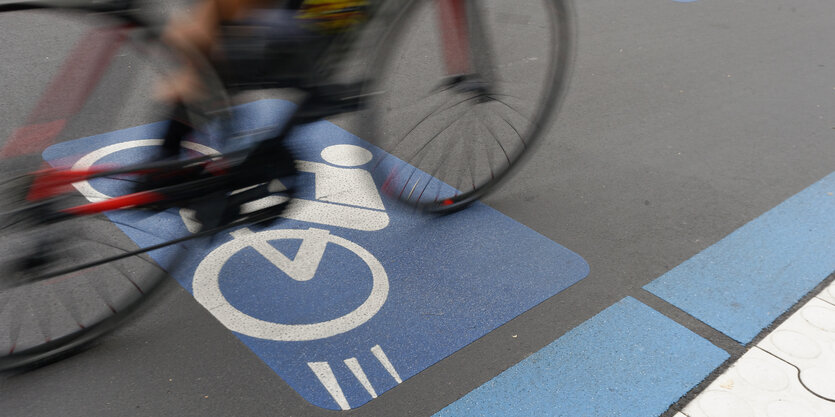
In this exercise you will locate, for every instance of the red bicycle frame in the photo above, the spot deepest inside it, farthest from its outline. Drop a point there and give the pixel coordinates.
(69, 90)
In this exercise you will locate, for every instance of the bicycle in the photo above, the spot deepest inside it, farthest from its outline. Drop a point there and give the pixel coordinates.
(62, 248)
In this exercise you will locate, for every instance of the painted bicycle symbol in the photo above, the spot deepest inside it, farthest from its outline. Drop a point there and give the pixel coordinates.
(345, 196)
(302, 267)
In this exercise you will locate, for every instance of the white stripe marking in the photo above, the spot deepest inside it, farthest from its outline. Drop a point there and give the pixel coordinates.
(381, 356)
(356, 369)
(325, 374)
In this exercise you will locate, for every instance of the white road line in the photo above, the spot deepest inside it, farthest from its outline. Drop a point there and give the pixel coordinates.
(325, 374)
(384, 360)
(354, 365)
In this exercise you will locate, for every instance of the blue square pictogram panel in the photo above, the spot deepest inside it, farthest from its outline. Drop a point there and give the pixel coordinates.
(350, 294)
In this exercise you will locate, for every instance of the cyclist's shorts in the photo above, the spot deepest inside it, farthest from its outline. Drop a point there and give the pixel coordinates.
(332, 16)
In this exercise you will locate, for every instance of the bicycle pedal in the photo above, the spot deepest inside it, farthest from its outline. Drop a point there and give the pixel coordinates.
(211, 211)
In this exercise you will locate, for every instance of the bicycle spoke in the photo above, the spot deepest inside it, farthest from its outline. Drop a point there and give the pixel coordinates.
(434, 137)
(58, 304)
(7, 310)
(421, 151)
(425, 118)
(470, 153)
(487, 148)
(435, 174)
(496, 100)
(14, 330)
(519, 135)
(104, 298)
(406, 183)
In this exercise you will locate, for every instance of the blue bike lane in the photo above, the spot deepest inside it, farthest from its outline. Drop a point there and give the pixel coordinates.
(340, 312)
(630, 360)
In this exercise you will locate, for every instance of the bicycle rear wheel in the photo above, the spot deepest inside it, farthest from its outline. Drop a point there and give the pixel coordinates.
(468, 88)
(73, 83)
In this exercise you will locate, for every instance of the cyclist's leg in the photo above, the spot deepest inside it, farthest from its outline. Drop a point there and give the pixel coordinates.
(178, 128)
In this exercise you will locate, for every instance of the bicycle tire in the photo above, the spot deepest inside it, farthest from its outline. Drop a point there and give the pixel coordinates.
(443, 171)
(46, 318)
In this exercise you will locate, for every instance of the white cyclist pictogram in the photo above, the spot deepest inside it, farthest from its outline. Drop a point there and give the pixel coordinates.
(345, 196)
(92, 194)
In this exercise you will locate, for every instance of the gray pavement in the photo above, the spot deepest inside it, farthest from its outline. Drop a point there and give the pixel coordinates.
(684, 121)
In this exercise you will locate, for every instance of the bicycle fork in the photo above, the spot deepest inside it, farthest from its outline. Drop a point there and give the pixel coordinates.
(466, 49)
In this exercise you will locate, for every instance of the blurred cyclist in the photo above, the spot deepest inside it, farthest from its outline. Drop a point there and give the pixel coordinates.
(252, 43)
(252, 32)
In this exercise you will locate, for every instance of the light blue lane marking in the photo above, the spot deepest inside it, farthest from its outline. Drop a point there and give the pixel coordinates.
(745, 281)
(629, 360)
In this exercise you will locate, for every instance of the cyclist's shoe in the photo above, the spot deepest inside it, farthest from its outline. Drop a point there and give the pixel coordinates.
(256, 204)
(176, 131)
(256, 191)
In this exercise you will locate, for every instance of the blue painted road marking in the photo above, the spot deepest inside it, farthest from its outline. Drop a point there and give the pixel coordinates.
(632, 361)
(628, 360)
(352, 295)
(744, 282)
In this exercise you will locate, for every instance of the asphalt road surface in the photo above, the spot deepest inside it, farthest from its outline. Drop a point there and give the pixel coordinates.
(684, 121)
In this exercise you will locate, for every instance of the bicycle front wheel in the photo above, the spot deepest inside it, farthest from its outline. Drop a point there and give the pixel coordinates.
(74, 83)
(467, 88)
